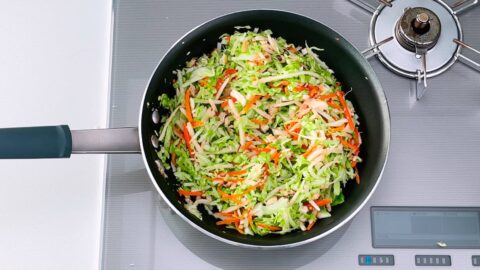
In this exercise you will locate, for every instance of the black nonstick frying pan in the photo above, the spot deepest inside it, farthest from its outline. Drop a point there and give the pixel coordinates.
(350, 68)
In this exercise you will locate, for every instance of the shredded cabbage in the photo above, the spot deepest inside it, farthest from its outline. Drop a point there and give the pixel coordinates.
(260, 135)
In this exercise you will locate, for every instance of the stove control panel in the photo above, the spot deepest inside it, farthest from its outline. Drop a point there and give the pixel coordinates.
(433, 260)
(376, 260)
(476, 260)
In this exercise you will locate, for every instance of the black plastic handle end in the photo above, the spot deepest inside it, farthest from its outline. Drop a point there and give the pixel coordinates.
(35, 142)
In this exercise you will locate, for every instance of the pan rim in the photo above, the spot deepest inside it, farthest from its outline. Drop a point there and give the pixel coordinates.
(386, 145)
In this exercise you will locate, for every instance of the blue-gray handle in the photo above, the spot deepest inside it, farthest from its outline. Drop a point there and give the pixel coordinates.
(35, 142)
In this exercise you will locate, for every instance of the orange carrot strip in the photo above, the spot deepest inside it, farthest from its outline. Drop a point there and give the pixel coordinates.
(276, 157)
(174, 159)
(309, 151)
(259, 121)
(187, 138)
(230, 71)
(357, 138)
(353, 163)
(227, 221)
(196, 124)
(346, 110)
(246, 145)
(323, 202)
(249, 217)
(250, 104)
(203, 81)
(189, 193)
(357, 176)
(229, 214)
(268, 227)
(234, 173)
(188, 109)
(334, 105)
(337, 129)
(347, 144)
(329, 96)
(237, 227)
(310, 225)
(313, 90)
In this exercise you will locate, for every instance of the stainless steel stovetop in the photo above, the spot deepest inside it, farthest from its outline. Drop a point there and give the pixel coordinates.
(434, 155)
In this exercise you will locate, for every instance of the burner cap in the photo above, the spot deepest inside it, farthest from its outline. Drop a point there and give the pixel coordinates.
(418, 29)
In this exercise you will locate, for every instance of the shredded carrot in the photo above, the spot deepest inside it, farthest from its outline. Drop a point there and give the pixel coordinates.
(250, 189)
(357, 176)
(340, 96)
(329, 96)
(334, 105)
(197, 124)
(292, 49)
(234, 173)
(232, 197)
(323, 202)
(313, 90)
(309, 151)
(246, 145)
(227, 38)
(178, 132)
(259, 121)
(353, 163)
(219, 83)
(203, 82)
(276, 157)
(300, 87)
(237, 227)
(228, 221)
(268, 227)
(226, 214)
(347, 144)
(187, 138)
(250, 103)
(282, 84)
(230, 71)
(337, 129)
(357, 138)
(188, 109)
(310, 225)
(189, 193)
(249, 217)
(174, 159)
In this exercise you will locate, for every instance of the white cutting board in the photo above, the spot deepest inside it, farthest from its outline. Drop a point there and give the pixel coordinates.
(54, 69)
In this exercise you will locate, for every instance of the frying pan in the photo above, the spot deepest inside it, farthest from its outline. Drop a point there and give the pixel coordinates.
(350, 68)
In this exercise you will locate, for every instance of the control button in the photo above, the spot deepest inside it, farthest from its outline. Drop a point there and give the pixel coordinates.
(376, 260)
(476, 260)
(434, 260)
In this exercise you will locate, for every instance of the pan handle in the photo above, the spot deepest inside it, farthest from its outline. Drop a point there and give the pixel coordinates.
(106, 141)
(61, 142)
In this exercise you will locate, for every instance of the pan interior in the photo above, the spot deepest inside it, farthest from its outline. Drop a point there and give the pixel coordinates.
(350, 68)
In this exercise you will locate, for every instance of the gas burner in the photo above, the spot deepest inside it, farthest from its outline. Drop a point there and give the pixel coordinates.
(418, 30)
(404, 34)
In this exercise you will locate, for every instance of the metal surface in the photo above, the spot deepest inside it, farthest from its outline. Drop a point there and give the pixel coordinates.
(405, 61)
(105, 141)
(426, 166)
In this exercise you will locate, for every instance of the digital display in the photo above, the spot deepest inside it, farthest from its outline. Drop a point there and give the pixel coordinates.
(425, 227)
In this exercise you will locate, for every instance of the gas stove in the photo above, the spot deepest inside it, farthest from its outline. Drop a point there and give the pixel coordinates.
(430, 187)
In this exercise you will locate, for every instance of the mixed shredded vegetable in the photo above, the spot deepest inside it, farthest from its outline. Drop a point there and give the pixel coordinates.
(260, 134)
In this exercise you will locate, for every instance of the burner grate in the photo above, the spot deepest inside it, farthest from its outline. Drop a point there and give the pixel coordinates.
(418, 39)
